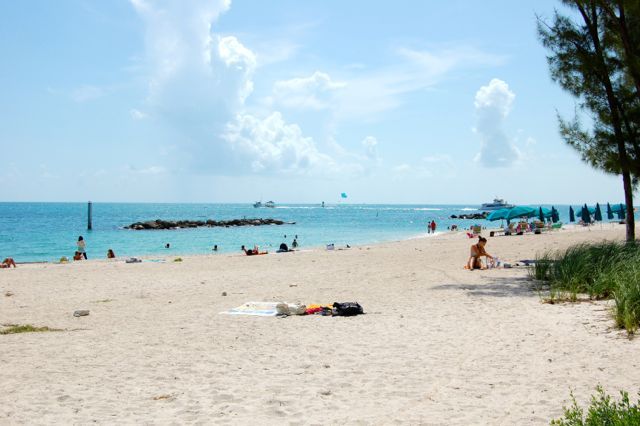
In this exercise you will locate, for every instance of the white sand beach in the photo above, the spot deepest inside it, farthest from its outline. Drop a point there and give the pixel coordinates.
(438, 344)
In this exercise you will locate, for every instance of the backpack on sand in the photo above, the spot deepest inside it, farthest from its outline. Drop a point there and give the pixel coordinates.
(347, 309)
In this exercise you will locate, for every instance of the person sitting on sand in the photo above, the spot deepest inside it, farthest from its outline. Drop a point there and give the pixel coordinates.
(111, 254)
(77, 256)
(477, 251)
(8, 263)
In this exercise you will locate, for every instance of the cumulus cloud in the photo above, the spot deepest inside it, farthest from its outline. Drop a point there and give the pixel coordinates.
(200, 84)
(312, 92)
(197, 80)
(276, 146)
(493, 104)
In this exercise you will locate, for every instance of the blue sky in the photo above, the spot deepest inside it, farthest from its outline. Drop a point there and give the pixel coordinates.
(233, 101)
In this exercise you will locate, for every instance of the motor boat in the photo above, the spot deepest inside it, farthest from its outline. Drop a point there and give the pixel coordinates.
(498, 203)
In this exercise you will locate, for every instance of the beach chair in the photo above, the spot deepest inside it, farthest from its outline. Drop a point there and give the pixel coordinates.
(476, 230)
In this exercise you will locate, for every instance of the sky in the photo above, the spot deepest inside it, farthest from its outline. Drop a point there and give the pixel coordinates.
(424, 102)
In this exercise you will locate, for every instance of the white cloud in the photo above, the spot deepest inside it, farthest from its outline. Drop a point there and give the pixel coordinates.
(136, 114)
(367, 95)
(370, 144)
(272, 145)
(312, 92)
(198, 81)
(87, 93)
(493, 103)
(430, 166)
(150, 170)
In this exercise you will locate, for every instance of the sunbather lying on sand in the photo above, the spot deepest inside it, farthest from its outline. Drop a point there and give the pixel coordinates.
(255, 251)
(8, 263)
(477, 251)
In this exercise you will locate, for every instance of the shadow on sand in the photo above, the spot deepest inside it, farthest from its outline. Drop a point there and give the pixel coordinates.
(498, 287)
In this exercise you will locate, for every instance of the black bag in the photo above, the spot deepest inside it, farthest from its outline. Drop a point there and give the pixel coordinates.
(347, 309)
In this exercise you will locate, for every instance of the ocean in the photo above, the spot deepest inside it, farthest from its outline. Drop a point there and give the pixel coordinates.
(47, 231)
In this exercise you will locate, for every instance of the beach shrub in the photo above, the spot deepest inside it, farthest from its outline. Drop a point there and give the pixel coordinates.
(603, 410)
(585, 268)
(600, 270)
(627, 296)
(27, 328)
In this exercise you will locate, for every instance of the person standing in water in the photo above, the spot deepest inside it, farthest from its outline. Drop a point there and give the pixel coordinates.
(82, 247)
(433, 226)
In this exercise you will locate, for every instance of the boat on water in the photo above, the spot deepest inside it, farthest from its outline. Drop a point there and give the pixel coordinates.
(497, 204)
(259, 204)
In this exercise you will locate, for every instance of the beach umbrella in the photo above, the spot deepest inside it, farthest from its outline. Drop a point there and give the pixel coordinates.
(541, 215)
(555, 216)
(521, 211)
(620, 210)
(572, 215)
(609, 212)
(598, 213)
(585, 215)
(498, 214)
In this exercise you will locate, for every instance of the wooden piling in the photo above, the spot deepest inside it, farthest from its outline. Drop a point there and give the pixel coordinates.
(89, 224)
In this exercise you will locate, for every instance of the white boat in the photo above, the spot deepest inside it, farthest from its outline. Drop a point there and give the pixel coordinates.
(257, 204)
(498, 203)
(270, 204)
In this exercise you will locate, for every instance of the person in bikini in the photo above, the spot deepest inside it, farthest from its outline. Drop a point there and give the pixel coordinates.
(8, 263)
(477, 251)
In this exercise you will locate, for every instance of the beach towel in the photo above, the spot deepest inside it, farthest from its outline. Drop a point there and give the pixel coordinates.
(267, 309)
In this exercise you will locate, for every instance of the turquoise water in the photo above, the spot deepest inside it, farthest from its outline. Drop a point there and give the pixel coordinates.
(47, 231)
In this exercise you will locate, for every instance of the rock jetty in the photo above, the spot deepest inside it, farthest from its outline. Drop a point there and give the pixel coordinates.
(168, 224)
(474, 216)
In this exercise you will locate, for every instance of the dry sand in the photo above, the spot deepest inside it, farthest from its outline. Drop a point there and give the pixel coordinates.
(438, 345)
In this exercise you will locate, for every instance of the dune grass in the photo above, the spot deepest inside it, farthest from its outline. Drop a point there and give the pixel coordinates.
(25, 328)
(605, 270)
(603, 410)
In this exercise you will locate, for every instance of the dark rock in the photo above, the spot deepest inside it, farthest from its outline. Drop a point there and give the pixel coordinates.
(167, 224)
(472, 216)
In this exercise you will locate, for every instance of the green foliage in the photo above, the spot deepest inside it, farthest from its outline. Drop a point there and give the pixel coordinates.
(602, 411)
(601, 271)
(27, 328)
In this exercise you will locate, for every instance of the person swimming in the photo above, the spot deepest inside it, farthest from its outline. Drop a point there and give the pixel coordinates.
(476, 252)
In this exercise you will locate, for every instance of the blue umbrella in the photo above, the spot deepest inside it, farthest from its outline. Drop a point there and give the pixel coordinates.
(585, 216)
(572, 215)
(609, 212)
(521, 211)
(598, 213)
(498, 214)
(620, 210)
(541, 215)
(555, 216)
